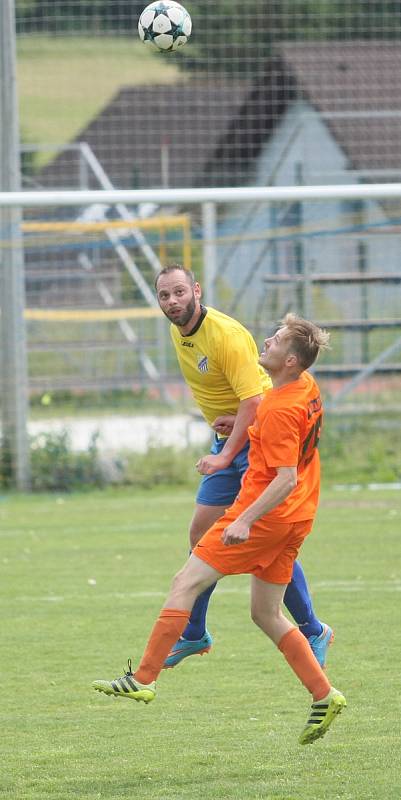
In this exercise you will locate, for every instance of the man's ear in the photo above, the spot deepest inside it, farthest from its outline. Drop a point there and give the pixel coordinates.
(197, 290)
(292, 360)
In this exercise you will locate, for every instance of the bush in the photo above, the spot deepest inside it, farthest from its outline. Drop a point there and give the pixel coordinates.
(55, 466)
(162, 465)
(353, 450)
(6, 466)
(360, 449)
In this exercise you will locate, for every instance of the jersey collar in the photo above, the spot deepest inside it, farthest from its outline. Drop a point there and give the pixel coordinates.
(198, 323)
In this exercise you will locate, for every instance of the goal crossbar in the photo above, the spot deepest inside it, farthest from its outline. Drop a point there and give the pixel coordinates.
(211, 195)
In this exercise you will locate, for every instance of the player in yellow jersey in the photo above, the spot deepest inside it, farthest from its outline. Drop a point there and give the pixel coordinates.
(219, 361)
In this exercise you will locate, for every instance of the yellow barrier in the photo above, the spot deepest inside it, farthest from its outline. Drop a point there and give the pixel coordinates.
(153, 223)
(90, 314)
(161, 224)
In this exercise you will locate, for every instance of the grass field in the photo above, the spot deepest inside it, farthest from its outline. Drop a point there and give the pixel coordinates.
(82, 578)
(63, 82)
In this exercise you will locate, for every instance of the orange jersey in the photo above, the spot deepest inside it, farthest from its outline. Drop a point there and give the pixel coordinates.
(286, 434)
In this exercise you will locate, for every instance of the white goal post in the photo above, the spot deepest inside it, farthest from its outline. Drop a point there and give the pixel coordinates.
(240, 194)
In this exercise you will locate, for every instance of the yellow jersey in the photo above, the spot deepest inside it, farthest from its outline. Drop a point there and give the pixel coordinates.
(219, 362)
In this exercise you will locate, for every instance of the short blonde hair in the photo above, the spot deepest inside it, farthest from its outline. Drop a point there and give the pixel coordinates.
(306, 339)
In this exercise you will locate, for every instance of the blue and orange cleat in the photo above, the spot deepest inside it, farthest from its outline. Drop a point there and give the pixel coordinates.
(320, 644)
(186, 647)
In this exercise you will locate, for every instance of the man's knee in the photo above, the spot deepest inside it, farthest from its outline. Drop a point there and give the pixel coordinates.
(264, 616)
(258, 617)
(186, 581)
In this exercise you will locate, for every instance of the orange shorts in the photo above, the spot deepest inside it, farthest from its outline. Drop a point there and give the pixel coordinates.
(269, 553)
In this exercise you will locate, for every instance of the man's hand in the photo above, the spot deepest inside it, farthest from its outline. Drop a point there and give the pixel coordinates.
(235, 533)
(224, 424)
(209, 464)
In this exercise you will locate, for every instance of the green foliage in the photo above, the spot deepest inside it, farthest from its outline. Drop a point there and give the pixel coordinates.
(354, 450)
(28, 160)
(162, 466)
(103, 15)
(360, 449)
(56, 467)
(230, 34)
(6, 464)
(226, 28)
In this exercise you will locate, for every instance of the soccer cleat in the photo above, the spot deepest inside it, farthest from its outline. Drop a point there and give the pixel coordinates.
(186, 647)
(320, 644)
(322, 714)
(127, 686)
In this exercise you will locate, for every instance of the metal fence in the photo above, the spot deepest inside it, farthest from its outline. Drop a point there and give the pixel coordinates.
(266, 94)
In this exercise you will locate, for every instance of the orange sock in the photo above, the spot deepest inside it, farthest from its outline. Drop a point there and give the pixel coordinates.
(166, 631)
(298, 653)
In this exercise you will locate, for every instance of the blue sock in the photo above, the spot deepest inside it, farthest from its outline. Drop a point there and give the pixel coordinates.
(298, 601)
(197, 622)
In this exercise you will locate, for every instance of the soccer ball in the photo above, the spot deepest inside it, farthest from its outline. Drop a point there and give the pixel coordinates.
(165, 24)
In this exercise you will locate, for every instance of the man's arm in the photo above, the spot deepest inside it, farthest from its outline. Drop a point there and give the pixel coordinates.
(235, 442)
(274, 494)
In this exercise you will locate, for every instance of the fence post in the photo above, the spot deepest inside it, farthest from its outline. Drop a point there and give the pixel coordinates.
(14, 370)
(209, 251)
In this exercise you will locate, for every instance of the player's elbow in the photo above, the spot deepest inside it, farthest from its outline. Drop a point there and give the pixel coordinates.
(255, 400)
(289, 480)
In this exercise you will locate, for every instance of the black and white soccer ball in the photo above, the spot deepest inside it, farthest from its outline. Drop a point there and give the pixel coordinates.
(165, 24)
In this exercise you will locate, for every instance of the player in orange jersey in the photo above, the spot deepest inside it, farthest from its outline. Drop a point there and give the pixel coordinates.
(262, 531)
(218, 359)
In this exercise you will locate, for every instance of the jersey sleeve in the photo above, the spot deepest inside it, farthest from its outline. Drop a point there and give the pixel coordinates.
(238, 358)
(280, 438)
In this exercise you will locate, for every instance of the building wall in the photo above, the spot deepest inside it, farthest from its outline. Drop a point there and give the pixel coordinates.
(306, 238)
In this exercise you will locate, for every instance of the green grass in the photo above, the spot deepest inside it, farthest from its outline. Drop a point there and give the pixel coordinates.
(361, 448)
(223, 726)
(63, 82)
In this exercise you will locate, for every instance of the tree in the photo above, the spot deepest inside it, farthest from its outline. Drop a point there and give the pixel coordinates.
(238, 35)
(227, 34)
(108, 16)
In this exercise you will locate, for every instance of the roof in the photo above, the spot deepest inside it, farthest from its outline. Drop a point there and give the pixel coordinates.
(360, 79)
(150, 134)
(205, 132)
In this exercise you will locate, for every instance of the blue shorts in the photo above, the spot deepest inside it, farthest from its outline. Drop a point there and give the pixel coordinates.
(221, 488)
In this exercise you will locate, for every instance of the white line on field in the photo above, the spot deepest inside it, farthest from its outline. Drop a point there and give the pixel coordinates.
(338, 586)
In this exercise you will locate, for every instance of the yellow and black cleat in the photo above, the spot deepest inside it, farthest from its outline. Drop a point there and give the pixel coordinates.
(127, 686)
(322, 714)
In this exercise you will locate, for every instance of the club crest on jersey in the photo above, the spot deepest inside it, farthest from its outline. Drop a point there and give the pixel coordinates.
(202, 364)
